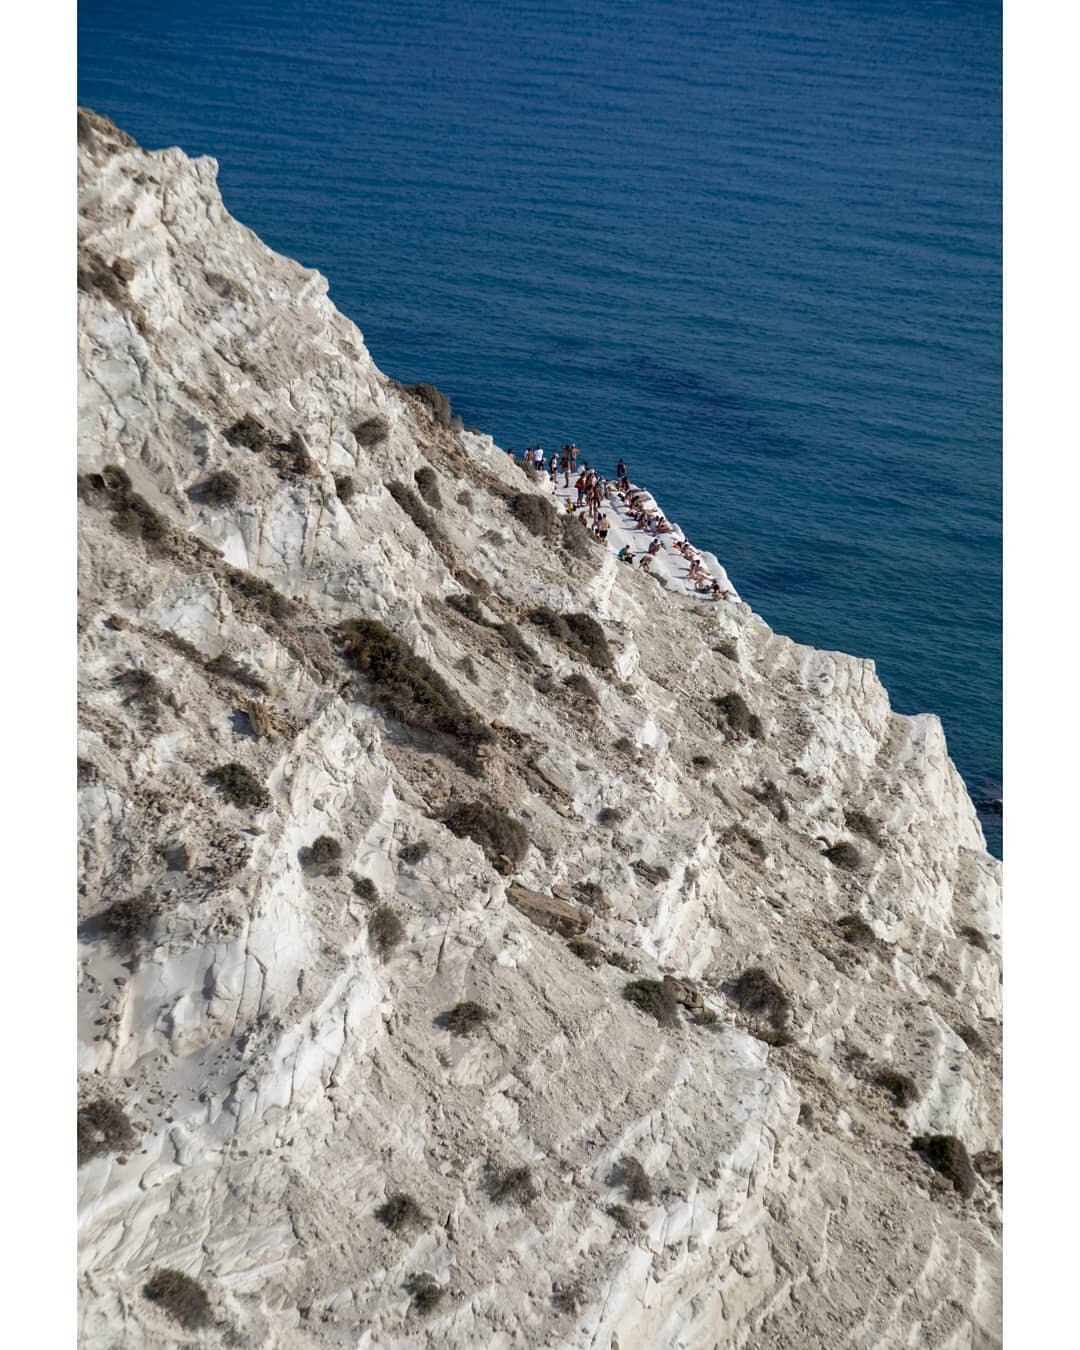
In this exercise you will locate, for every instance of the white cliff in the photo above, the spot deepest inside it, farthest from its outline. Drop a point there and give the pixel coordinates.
(284, 1077)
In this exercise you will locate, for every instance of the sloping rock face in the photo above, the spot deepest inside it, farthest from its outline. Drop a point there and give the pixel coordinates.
(286, 895)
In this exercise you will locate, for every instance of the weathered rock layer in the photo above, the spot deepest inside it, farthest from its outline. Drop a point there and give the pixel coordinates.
(286, 887)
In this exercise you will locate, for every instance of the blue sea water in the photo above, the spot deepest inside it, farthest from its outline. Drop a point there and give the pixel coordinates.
(752, 247)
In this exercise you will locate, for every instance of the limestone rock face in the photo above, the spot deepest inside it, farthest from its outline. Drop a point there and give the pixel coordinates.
(270, 1012)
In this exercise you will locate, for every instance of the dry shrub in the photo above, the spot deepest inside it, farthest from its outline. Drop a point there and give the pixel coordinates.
(437, 403)
(324, 852)
(578, 542)
(426, 1293)
(344, 487)
(497, 833)
(420, 516)
(947, 1154)
(465, 1018)
(385, 930)
(250, 433)
(586, 951)
(610, 816)
(103, 1128)
(580, 632)
(125, 922)
(854, 929)
(238, 785)
(736, 719)
(900, 1086)
(400, 1213)
(131, 514)
(364, 889)
(844, 854)
(228, 669)
(220, 488)
(756, 992)
(654, 998)
(536, 513)
(371, 431)
(513, 638)
(415, 852)
(179, 1296)
(579, 685)
(770, 795)
(406, 687)
(267, 599)
(469, 607)
(860, 823)
(569, 1297)
(974, 938)
(427, 484)
(515, 1186)
(630, 1173)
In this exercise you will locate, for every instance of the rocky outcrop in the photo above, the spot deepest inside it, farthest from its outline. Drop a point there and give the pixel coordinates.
(277, 919)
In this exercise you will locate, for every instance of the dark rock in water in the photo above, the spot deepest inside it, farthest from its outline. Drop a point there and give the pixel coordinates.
(990, 806)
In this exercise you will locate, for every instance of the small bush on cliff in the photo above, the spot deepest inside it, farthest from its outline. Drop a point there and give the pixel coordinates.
(498, 834)
(411, 504)
(770, 795)
(858, 822)
(344, 487)
(180, 1297)
(371, 431)
(513, 638)
(947, 1154)
(365, 889)
(586, 951)
(855, 930)
(653, 998)
(844, 854)
(579, 685)
(264, 597)
(385, 930)
(630, 1173)
(249, 433)
(437, 403)
(900, 1086)
(400, 1212)
(972, 1039)
(427, 484)
(426, 1293)
(756, 992)
(324, 855)
(580, 632)
(974, 938)
(610, 816)
(465, 1018)
(103, 1128)
(578, 542)
(536, 513)
(736, 718)
(124, 922)
(406, 687)
(415, 852)
(132, 515)
(469, 608)
(515, 1186)
(568, 1297)
(238, 785)
(220, 488)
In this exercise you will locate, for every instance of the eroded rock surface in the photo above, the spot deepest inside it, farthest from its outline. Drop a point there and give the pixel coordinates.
(281, 1049)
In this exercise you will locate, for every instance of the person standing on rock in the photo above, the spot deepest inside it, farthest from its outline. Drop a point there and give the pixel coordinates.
(620, 469)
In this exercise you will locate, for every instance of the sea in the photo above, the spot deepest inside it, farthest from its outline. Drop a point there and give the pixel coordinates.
(753, 248)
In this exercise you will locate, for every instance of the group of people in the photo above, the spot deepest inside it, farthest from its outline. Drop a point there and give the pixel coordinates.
(594, 492)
